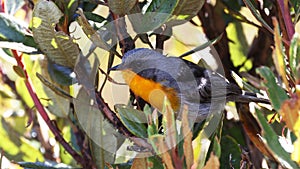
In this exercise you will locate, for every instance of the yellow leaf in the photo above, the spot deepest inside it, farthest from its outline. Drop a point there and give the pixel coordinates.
(296, 154)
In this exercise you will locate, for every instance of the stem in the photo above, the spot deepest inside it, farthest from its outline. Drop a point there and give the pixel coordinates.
(44, 114)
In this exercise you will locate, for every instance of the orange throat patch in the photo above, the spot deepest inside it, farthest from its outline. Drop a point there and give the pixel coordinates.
(152, 92)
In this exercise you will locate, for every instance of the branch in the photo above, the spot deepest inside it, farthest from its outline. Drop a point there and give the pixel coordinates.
(43, 113)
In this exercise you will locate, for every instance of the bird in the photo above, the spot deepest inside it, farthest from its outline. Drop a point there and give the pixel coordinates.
(153, 77)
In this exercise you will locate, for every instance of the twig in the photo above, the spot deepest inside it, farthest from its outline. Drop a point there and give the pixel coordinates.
(45, 116)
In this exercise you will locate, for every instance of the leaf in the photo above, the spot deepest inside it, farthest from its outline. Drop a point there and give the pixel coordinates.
(54, 88)
(19, 71)
(296, 154)
(295, 56)
(187, 143)
(157, 13)
(58, 96)
(279, 56)
(257, 15)
(277, 97)
(296, 5)
(252, 129)
(290, 112)
(94, 17)
(238, 47)
(201, 47)
(212, 163)
(94, 36)
(139, 163)
(203, 141)
(11, 30)
(121, 7)
(57, 46)
(272, 142)
(186, 10)
(133, 119)
(230, 152)
(61, 74)
(159, 145)
(169, 125)
(44, 165)
(96, 128)
(12, 6)
(15, 146)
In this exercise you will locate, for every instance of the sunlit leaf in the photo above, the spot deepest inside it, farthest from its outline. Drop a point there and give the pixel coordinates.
(202, 141)
(186, 10)
(16, 147)
(257, 15)
(295, 56)
(272, 142)
(296, 154)
(279, 56)
(58, 47)
(269, 81)
(238, 46)
(92, 34)
(169, 124)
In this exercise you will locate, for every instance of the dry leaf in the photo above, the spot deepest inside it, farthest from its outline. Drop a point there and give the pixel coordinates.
(212, 163)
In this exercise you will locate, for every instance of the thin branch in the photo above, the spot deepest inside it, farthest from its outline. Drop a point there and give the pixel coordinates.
(45, 116)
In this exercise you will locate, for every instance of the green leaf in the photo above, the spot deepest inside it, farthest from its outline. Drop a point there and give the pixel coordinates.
(94, 17)
(11, 30)
(201, 47)
(133, 119)
(231, 153)
(43, 165)
(186, 10)
(238, 47)
(61, 74)
(157, 13)
(276, 94)
(295, 56)
(272, 142)
(121, 7)
(58, 47)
